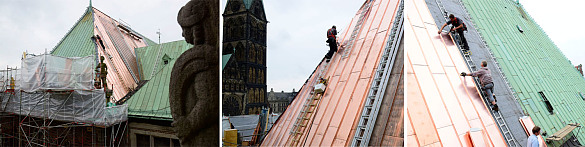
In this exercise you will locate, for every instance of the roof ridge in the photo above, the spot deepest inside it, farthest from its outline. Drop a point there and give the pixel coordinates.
(71, 29)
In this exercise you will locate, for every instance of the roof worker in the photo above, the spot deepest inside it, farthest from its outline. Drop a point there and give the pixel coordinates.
(459, 27)
(485, 79)
(331, 39)
(532, 141)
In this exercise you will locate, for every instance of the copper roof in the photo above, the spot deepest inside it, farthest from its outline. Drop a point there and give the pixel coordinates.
(443, 107)
(337, 115)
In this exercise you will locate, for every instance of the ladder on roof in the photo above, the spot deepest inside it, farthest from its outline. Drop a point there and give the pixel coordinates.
(155, 62)
(107, 57)
(373, 101)
(500, 121)
(309, 109)
(357, 28)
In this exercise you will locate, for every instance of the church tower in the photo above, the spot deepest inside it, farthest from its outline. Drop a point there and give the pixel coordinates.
(244, 37)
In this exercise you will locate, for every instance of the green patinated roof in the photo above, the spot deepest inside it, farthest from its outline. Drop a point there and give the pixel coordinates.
(224, 60)
(147, 56)
(77, 42)
(152, 100)
(531, 62)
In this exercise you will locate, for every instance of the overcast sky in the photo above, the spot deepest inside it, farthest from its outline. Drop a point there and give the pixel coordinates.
(562, 21)
(296, 30)
(39, 25)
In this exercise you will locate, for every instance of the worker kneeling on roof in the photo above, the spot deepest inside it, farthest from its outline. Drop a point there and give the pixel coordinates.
(332, 40)
(459, 27)
(485, 79)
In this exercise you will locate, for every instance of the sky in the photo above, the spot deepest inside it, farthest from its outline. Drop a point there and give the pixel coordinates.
(296, 35)
(296, 29)
(34, 26)
(562, 21)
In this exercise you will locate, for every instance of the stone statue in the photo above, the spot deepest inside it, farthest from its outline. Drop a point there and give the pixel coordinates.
(194, 85)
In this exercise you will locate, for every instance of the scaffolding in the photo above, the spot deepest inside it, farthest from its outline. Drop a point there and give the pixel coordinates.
(52, 101)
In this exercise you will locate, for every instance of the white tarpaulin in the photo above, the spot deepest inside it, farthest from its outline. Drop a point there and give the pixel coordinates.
(77, 106)
(78, 100)
(57, 73)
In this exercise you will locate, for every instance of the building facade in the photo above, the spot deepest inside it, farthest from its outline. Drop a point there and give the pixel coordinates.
(279, 101)
(244, 38)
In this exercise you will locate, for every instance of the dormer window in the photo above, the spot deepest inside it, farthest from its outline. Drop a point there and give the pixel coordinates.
(166, 59)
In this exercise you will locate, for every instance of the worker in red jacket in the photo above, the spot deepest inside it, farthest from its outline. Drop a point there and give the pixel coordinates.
(332, 40)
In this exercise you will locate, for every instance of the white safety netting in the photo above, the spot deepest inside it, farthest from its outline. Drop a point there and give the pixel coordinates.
(57, 73)
(76, 100)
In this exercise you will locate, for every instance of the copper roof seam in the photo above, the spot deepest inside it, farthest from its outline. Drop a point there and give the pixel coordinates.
(484, 125)
(343, 62)
(423, 101)
(448, 79)
(374, 69)
(353, 65)
(112, 62)
(297, 104)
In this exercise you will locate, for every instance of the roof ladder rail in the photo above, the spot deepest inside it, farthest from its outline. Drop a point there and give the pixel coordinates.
(471, 66)
(357, 28)
(377, 89)
(308, 109)
(156, 62)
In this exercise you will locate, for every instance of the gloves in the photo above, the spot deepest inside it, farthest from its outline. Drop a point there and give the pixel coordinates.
(463, 74)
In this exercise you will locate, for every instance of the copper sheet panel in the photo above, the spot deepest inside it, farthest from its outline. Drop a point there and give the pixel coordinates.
(438, 98)
(350, 78)
(478, 138)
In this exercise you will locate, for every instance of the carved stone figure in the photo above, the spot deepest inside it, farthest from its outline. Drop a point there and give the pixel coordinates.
(194, 85)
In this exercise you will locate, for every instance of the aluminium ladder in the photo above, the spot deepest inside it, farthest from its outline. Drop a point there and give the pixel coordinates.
(500, 121)
(309, 108)
(357, 28)
(373, 101)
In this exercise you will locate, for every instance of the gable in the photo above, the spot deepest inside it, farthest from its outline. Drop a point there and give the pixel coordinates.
(77, 42)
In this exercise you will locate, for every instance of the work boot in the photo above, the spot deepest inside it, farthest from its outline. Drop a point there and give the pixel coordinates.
(496, 100)
(495, 107)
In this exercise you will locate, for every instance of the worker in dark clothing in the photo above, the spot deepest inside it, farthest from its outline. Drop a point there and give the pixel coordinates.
(459, 27)
(332, 40)
(485, 80)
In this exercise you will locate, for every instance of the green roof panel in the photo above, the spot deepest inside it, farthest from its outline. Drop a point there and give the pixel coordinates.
(152, 100)
(531, 62)
(77, 42)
